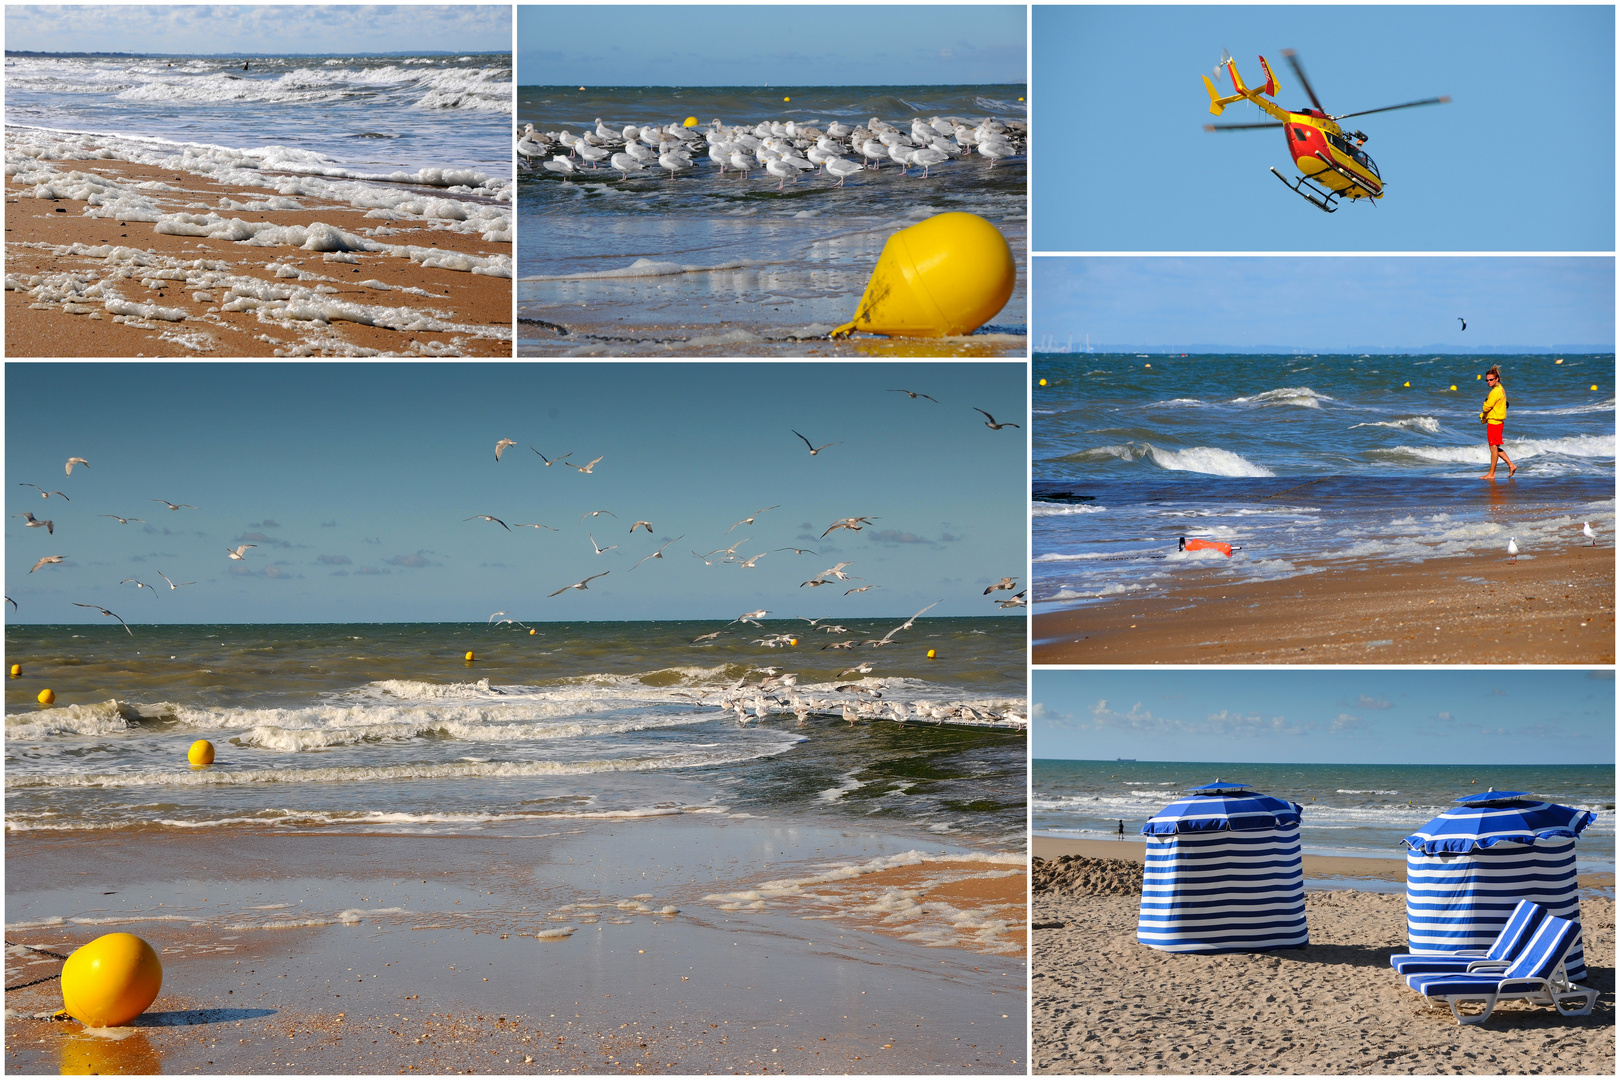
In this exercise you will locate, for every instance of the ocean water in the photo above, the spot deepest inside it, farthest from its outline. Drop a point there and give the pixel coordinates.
(1304, 461)
(354, 116)
(713, 254)
(1361, 811)
(386, 728)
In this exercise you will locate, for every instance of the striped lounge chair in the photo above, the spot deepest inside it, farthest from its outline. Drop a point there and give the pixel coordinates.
(1509, 944)
(1538, 976)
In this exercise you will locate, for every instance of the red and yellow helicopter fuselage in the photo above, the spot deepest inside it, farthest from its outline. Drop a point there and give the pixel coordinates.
(1322, 151)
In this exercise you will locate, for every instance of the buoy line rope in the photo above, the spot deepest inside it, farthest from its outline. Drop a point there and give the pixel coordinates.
(42, 952)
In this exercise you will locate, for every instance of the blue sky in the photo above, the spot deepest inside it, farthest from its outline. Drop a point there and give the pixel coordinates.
(258, 29)
(1522, 159)
(353, 481)
(770, 44)
(1354, 717)
(1325, 303)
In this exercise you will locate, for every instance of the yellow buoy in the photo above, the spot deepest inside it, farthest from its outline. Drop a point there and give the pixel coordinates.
(1594, 386)
(531, 631)
(1478, 377)
(787, 99)
(470, 657)
(201, 753)
(931, 654)
(16, 671)
(111, 981)
(1147, 365)
(944, 276)
(1558, 361)
(1043, 382)
(1454, 386)
(793, 641)
(47, 697)
(1407, 384)
(690, 121)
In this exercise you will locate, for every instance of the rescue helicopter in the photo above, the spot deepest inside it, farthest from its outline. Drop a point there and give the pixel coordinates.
(1331, 161)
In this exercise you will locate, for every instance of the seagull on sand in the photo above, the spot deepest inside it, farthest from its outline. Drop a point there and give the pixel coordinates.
(593, 513)
(42, 492)
(47, 559)
(138, 584)
(1004, 583)
(50, 526)
(502, 445)
(1513, 549)
(580, 584)
(639, 524)
(659, 554)
(172, 584)
(1586, 531)
(814, 450)
(237, 554)
(72, 461)
(552, 461)
(851, 523)
(175, 506)
(599, 548)
(990, 421)
(122, 521)
(913, 395)
(749, 520)
(104, 611)
(586, 468)
(489, 517)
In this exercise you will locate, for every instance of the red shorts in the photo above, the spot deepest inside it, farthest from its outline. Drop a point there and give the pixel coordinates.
(1493, 434)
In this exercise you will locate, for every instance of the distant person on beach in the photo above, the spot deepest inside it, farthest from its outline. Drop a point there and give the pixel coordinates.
(1493, 414)
(1122, 828)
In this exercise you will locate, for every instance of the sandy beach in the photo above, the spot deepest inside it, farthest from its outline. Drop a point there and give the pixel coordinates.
(1557, 608)
(88, 274)
(658, 945)
(1102, 1003)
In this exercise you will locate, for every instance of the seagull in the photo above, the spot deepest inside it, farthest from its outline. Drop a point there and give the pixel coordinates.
(749, 520)
(842, 168)
(749, 565)
(580, 584)
(237, 554)
(48, 559)
(639, 524)
(122, 521)
(104, 611)
(42, 492)
(138, 584)
(705, 637)
(1004, 583)
(50, 526)
(905, 625)
(593, 513)
(850, 644)
(1513, 548)
(1586, 531)
(502, 445)
(800, 551)
(659, 554)
(488, 517)
(732, 550)
(863, 588)
(1463, 321)
(72, 461)
(173, 585)
(837, 572)
(813, 582)
(533, 525)
(814, 450)
(1017, 600)
(492, 619)
(13, 604)
(552, 461)
(751, 616)
(913, 395)
(586, 468)
(851, 523)
(865, 668)
(175, 506)
(990, 421)
(599, 548)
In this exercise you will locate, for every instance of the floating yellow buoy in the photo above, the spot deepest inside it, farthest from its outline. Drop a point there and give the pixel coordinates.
(111, 981)
(470, 657)
(1594, 386)
(793, 641)
(582, 88)
(16, 671)
(1560, 360)
(1043, 382)
(1147, 365)
(944, 276)
(531, 631)
(201, 753)
(787, 99)
(1407, 384)
(690, 121)
(931, 654)
(47, 697)
(1478, 377)
(1454, 386)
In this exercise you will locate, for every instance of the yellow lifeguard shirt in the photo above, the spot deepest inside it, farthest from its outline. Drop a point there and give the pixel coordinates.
(1494, 411)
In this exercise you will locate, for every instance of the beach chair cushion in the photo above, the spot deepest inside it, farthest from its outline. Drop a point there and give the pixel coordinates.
(1510, 942)
(1537, 976)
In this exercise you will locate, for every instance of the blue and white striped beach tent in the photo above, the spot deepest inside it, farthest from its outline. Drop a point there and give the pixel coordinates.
(1223, 873)
(1469, 867)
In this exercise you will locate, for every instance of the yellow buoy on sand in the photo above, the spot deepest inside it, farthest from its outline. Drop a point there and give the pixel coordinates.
(111, 981)
(47, 697)
(201, 753)
(941, 277)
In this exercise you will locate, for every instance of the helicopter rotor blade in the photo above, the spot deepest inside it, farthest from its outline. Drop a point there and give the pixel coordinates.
(1299, 72)
(1387, 108)
(1239, 127)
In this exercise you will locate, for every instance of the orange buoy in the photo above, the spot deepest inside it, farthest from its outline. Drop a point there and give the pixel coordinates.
(1206, 545)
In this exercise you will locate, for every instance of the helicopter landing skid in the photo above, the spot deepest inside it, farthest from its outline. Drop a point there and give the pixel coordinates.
(1324, 203)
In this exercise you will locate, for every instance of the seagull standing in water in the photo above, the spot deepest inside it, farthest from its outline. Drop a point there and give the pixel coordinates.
(1513, 549)
(1586, 531)
(104, 611)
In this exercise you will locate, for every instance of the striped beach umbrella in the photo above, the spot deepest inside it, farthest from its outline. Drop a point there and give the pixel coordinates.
(1223, 873)
(1468, 868)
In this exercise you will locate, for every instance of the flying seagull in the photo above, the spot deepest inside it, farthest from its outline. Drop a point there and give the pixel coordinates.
(863, 588)
(751, 616)
(502, 445)
(800, 551)
(175, 506)
(914, 395)
(903, 626)
(705, 637)
(173, 585)
(851, 523)
(122, 521)
(487, 517)
(749, 520)
(47, 559)
(104, 611)
(72, 461)
(639, 524)
(42, 492)
(586, 468)
(552, 461)
(599, 548)
(1017, 600)
(837, 572)
(749, 564)
(814, 450)
(659, 554)
(237, 554)
(1463, 321)
(533, 525)
(593, 513)
(492, 619)
(1004, 583)
(13, 604)
(580, 584)
(139, 584)
(34, 522)
(990, 421)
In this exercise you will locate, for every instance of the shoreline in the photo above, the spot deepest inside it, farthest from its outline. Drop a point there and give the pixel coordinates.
(113, 257)
(667, 944)
(1557, 608)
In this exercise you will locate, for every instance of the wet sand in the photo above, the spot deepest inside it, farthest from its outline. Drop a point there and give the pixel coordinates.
(1103, 1003)
(329, 952)
(1557, 608)
(66, 272)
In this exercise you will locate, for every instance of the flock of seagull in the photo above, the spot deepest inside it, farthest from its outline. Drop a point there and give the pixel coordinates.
(779, 149)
